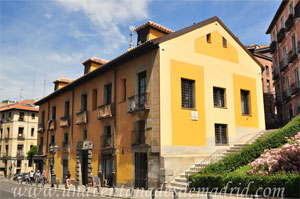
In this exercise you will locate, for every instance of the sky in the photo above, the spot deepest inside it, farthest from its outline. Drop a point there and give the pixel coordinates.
(43, 40)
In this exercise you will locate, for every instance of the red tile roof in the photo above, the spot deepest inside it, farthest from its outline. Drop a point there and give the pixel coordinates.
(26, 105)
(63, 80)
(95, 60)
(154, 25)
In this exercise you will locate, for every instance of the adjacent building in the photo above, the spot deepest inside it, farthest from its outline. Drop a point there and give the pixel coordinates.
(176, 98)
(18, 133)
(262, 54)
(285, 47)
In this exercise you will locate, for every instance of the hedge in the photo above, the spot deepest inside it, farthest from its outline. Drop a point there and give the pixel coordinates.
(264, 186)
(253, 151)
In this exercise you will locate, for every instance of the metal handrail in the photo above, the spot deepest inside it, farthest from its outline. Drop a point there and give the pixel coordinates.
(212, 158)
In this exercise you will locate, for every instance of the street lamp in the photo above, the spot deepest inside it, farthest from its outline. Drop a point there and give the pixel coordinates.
(52, 149)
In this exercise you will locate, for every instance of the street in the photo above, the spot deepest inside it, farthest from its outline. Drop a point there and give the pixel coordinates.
(10, 189)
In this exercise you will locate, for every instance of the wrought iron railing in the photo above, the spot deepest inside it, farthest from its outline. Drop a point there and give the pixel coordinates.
(138, 137)
(105, 111)
(138, 102)
(52, 124)
(107, 141)
(64, 121)
(212, 158)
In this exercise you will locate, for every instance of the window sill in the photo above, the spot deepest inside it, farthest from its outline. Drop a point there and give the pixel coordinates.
(122, 101)
(189, 109)
(222, 144)
(221, 107)
(246, 115)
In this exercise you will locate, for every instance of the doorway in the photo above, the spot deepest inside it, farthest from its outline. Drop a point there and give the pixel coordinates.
(65, 169)
(141, 170)
(84, 167)
(108, 163)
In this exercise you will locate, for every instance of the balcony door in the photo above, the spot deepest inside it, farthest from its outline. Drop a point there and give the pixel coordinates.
(142, 87)
(141, 170)
(107, 94)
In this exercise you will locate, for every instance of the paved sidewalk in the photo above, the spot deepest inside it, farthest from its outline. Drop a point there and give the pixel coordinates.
(136, 193)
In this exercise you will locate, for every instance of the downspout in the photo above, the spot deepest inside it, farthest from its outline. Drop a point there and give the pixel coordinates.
(72, 123)
(47, 127)
(115, 122)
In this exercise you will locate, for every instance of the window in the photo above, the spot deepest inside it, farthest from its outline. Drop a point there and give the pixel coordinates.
(1, 133)
(123, 90)
(21, 131)
(219, 95)
(142, 87)
(54, 113)
(245, 102)
(85, 135)
(107, 94)
(32, 116)
(296, 76)
(7, 132)
(107, 136)
(43, 117)
(66, 138)
(268, 86)
(294, 44)
(32, 132)
(19, 162)
(31, 146)
(52, 139)
(67, 108)
(284, 54)
(87, 68)
(221, 134)
(291, 8)
(282, 22)
(94, 103)
(287, 85)
(224, 42)
(274, 35)
(187, 93)
(30, 163)
(9, 116)
(84, 102)
(267, 71)
(21, 116)
(208, 38)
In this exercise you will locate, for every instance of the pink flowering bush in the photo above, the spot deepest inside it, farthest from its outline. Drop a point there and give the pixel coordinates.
(285, 159)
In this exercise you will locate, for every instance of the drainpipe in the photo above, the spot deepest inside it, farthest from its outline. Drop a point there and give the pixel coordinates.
(47, 127)
(72, 123)
(115, 122)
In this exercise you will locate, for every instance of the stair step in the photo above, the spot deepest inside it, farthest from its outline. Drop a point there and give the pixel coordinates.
(241, 144)
(179, 179)
(182, 175)
(178, 189)
(179, 184)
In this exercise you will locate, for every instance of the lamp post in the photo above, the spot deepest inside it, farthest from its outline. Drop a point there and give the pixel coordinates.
(52, 149)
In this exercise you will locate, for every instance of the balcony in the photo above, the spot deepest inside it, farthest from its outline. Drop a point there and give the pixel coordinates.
(289, 22)
(64, 121)
(81, 117)
(21, 137)
(20, 153)
(278, 101)
(273, 47)
(281, 35)
(65, 146)
(292, 55)
(138, 138)
(283, 64)
(295, 87)
(51, 125)
(286, 94)
(138, 103)
(41, 128)
(107, 141)
(297, 10)
(106, 111)
(40, 150)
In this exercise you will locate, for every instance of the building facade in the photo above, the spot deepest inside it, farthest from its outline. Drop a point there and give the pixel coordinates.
(262, 54)
(176, 97)
(285, 47)
(18, 127)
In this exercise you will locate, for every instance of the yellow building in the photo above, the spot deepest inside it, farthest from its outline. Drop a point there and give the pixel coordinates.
(18, 133)
(152, 112)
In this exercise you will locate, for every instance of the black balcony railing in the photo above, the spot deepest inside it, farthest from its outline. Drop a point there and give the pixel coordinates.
(20, 153)
(292, 55)
(275, 73)
(273, 47)
(138, 102)
(64, 121)
(281, 35)
(278, 101)
(107, 141)
(21, 137)
(286, 94)
(283, 64)
(81, 117)
(295, 87)
(289, 22)
(138, 137)
(297, 10)
(105, 111)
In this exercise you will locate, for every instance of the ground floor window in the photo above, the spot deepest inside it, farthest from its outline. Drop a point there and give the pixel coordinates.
(221, 134)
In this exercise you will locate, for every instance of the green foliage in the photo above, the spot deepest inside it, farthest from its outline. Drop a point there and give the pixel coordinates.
(257, 184)
(253, 151)
(31, 152)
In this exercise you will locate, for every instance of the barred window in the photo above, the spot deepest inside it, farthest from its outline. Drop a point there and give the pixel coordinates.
(187, 93)
(219, 97)
(245, 102)
(221, 134)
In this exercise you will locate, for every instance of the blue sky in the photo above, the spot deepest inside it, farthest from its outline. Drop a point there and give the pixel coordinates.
(43, 40)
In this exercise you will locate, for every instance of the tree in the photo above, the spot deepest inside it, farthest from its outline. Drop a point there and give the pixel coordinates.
(31, 152)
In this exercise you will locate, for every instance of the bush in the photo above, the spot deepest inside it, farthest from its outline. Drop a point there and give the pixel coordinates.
(253, 151)
(272, 185)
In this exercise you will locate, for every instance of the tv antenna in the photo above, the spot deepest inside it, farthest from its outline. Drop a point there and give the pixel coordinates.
(131, 28)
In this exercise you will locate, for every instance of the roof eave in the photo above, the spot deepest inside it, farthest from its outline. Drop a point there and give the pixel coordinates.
(277, 14)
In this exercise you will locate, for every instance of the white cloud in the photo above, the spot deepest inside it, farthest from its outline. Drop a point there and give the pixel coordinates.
(47, 15)
(107, 16)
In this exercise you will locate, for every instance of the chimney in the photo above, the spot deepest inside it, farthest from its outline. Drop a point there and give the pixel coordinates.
(59, 83)
(92, 64)
(149, 31)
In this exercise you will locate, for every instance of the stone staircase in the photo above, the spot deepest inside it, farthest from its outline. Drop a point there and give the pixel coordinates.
(180, 183)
